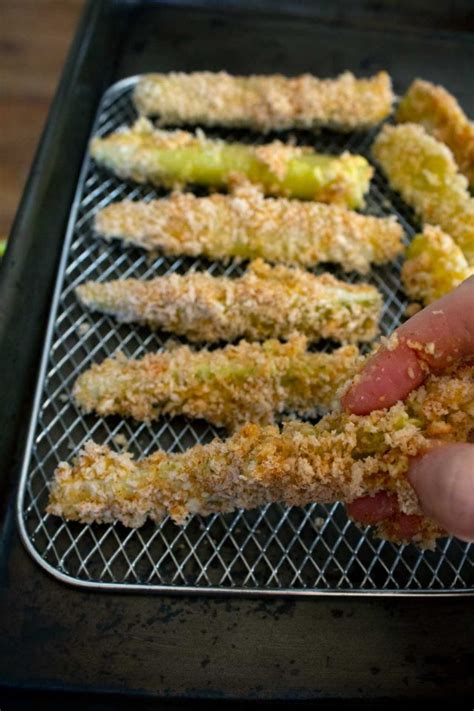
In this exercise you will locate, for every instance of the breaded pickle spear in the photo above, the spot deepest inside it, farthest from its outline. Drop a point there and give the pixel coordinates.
(264, 103)
(440, 114)
(247, 225)
(434, 266)
(173, 158)
(249, 382)
(342, 458)
(266, 302)
(425, 173)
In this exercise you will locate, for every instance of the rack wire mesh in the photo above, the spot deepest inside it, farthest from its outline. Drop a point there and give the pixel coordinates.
(272, 550)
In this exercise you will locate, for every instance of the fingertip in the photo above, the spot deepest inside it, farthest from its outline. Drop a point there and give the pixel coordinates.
(431, 341)
(382, 508)
(389, 376)
(444, 482)
(369, 510)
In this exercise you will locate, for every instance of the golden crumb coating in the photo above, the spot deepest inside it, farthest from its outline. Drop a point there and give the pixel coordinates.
(247, 226)
(175, 158)
(249, 382)
(343, 457)
(434, 266)
(266, 302)
(425, 173)
(264, 103)
(440, 114)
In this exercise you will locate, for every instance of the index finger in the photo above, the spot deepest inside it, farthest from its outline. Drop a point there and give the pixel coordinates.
(430, 342)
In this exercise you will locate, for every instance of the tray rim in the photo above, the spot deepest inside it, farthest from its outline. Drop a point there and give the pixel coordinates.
(72, 581)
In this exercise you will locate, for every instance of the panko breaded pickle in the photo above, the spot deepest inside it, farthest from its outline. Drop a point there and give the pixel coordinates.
(264, 103)
(343, 457)
(434, 266)
(247, 226)
(249, 382)
(440, 114)
(175, 158)
(266, 302)
(425, 173)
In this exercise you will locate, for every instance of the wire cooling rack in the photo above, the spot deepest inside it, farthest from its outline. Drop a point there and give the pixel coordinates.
(272, 550)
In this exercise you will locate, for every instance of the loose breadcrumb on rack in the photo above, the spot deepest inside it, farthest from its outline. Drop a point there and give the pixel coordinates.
(440, 114)
(247, 226)
(412, 309)
(434, 266)
(249, 382)
(175, 158)
(264, 103)
(266, 302)
(425, 173)
(343, 457)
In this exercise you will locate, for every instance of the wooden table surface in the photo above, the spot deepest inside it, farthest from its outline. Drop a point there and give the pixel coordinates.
(34, 39)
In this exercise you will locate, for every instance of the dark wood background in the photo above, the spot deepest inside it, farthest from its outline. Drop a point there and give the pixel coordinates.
(34, 39)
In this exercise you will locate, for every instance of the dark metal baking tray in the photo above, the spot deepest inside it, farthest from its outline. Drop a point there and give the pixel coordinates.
(54, 637)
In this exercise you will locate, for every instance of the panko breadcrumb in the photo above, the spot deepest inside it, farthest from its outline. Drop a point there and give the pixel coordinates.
(440, 114)
(176, 158)
(264, 103)
(266, 302)
(425, 173)
(247, 226)
(249, 382)
(343, 457)
(434, 266)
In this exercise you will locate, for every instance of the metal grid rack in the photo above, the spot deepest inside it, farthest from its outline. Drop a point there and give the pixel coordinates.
(272, 550)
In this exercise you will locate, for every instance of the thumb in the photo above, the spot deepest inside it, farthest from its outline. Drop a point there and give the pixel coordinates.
(443, 478)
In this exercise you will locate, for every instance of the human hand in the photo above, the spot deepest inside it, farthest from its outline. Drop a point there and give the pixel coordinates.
(443, 478)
